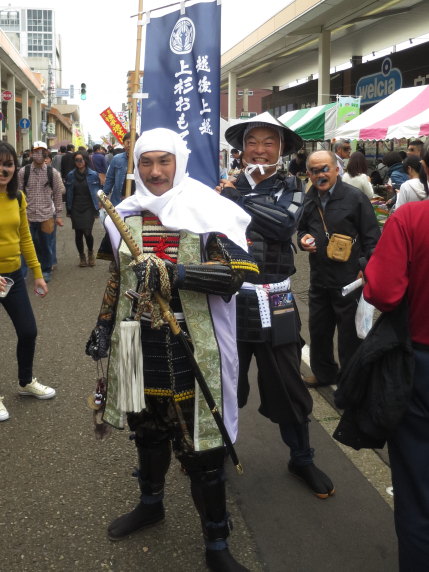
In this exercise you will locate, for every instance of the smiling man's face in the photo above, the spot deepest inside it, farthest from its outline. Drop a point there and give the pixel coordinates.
(262, 147)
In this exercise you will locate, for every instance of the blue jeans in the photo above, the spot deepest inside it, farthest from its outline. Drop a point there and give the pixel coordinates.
(17, 305)
(43, 245)
(53, 244)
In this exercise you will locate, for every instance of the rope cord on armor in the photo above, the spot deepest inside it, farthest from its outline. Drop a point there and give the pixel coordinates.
(147, 302)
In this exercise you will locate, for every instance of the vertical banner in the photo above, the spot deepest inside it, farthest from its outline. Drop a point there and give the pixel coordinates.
(182, 80)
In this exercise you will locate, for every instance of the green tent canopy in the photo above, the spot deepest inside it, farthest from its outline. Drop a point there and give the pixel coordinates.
(312, 123)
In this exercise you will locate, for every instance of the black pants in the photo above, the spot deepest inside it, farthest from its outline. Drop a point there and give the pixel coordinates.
(17, 305)
(330, 309)
(409, 461)
(284, 397)
(78, 238)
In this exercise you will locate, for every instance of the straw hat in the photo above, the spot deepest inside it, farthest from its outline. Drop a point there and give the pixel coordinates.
(235, 134)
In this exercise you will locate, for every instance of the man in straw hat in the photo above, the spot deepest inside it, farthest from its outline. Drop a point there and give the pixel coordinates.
(192, 236)
(268, 323)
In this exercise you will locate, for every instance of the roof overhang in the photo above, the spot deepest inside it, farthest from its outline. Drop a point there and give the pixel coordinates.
(287, 44)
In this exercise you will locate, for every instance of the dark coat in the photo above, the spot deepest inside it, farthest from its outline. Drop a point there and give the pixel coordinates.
(376, 384)
(348, 211)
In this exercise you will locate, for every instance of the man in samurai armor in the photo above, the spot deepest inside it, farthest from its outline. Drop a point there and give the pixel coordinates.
(193, 245)
(268, 325)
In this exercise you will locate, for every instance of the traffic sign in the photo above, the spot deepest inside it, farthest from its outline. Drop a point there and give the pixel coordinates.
(6, 95)
(24, 123)
(61, 92)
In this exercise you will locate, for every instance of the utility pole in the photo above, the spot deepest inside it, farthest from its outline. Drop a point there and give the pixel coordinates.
(135, 90)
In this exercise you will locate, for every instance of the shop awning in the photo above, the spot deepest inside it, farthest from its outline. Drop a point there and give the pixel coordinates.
(404, 113)
(312, 123)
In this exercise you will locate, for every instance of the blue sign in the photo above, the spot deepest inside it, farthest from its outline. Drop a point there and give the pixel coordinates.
(377, 86)
(182, 80)
(24, 123)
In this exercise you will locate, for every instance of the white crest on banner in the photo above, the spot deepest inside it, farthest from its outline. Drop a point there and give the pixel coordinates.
(183, 36)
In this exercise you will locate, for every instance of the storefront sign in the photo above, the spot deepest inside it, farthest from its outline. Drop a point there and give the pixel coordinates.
(377, 86)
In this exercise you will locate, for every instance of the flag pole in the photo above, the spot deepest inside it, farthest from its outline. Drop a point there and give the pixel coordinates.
(135, 88)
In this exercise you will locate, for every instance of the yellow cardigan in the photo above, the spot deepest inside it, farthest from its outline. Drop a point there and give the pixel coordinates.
(15, 237)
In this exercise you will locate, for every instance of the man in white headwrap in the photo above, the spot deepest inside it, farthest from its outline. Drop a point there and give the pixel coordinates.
(267, 319)
(200, 239)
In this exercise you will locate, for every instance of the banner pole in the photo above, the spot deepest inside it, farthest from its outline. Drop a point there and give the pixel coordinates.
(135, 88)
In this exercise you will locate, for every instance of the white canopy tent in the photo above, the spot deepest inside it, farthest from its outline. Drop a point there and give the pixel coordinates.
(403, 114)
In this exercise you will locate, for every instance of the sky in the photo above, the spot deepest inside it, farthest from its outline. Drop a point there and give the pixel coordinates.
(98, 41)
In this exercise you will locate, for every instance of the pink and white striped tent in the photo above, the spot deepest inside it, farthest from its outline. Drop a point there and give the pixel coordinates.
(404, 113)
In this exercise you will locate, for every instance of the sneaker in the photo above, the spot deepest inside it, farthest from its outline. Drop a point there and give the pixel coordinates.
(37, 390)
(47, 276)
(3, 411)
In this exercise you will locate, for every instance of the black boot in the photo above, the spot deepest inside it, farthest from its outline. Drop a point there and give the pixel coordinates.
(296, 436)
(315, 479)
(223, 561)
(208, 492)
(153, 466)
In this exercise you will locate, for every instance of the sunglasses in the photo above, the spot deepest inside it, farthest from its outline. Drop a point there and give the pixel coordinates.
(79, 161)
(314, 171)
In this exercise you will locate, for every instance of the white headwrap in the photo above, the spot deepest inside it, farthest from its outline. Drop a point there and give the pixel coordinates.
(189, 205)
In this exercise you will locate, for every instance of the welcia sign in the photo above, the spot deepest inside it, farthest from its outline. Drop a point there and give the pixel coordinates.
(377, 86)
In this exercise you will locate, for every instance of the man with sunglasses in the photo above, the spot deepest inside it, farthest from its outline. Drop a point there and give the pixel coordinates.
(345, 210)
(342, 150)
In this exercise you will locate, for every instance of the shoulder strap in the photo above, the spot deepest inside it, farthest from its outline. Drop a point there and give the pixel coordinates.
(50, 174)
(19, 198)
(323, 221)
(26, 175)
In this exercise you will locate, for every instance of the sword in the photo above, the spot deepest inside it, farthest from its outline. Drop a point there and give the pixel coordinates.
(175, 328)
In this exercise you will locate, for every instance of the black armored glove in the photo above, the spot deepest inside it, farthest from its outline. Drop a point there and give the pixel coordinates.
(148, 273)
(207, 278)
(99, 342)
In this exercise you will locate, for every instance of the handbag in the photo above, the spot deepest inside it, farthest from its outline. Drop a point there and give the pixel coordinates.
(48, 226)
(339, 245)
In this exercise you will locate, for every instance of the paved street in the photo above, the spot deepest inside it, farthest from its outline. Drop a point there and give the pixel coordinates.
(60, 487)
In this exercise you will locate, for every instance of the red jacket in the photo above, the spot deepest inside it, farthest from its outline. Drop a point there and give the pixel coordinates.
(400, 265)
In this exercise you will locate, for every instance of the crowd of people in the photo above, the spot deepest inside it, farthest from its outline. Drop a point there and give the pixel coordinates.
(223, 261)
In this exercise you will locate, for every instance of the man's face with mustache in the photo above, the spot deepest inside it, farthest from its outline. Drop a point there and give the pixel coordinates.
(322, 170)
(157, 170)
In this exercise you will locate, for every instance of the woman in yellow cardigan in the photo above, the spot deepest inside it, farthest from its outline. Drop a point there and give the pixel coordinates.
(15, 239)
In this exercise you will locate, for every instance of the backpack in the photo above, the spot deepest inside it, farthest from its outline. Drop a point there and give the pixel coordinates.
(50, 174)
(19, 198)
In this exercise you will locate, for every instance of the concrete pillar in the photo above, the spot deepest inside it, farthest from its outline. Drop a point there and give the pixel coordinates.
(232, 95)
(36, 119)
(324, 83)
(25, 113)
(11, 112)
(245, 100)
